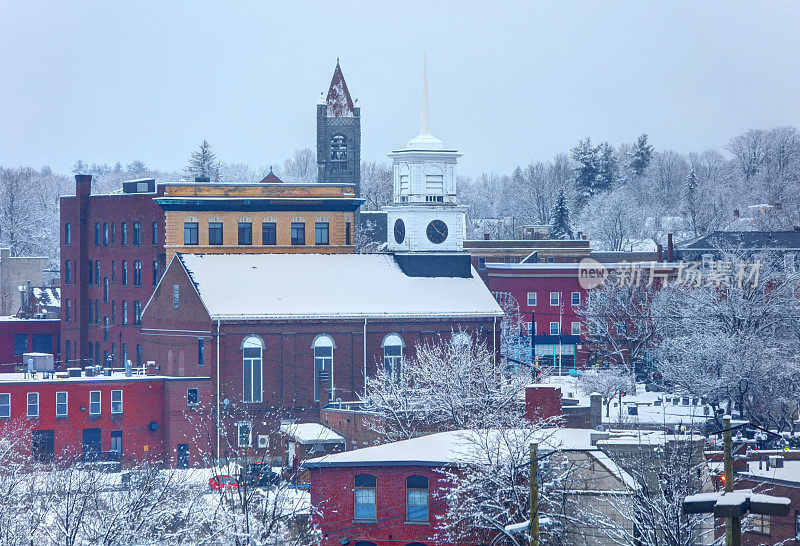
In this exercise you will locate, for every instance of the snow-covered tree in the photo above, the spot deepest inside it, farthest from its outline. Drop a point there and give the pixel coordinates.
(609, 383)
(607, 168)
(585, 155)
(301, 167)
(691, 205)
(561, 228)
(639, 156)
(376, 185)
(203, 162)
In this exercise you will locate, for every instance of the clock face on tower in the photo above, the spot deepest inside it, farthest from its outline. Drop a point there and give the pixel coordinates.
(399, 231)
(436, 232)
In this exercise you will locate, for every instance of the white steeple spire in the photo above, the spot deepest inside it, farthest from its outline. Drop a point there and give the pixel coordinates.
(425, 140)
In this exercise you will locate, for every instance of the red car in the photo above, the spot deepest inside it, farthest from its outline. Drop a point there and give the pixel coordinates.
(223, 482)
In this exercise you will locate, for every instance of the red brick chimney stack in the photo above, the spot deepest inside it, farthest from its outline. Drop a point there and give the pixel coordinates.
(670, 248)
(659, 253)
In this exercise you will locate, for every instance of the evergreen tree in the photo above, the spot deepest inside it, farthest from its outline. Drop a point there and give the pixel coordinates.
(586, 171)
(203, 162)
(640, 156)
(79, 167)
(691, 206)
(607, 168)
(561, 228)
(136, 168)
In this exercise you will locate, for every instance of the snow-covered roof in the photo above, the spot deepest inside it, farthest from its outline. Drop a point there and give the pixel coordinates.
(312, 433)
(274, 286)
(447, 448)
(790, 472)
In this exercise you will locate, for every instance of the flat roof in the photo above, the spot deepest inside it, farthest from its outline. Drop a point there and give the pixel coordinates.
(116, 377)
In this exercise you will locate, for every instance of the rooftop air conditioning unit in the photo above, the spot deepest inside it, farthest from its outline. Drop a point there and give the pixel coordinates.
(263, 441)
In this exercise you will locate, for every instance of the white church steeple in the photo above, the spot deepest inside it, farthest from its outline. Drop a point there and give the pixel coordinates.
(425, 215)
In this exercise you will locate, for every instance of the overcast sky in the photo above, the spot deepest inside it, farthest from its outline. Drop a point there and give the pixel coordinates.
(510, 82)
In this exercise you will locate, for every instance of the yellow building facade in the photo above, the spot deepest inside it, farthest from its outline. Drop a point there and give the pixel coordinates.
(202, 217)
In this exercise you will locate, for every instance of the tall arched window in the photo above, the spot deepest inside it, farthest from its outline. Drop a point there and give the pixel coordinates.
(393, 355)
(417, 498)
(339, 148)
(365, 500)
(323, 364)
(252, 348)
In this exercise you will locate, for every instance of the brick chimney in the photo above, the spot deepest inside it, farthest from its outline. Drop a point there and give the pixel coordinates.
(659, 253)
(736, 214)
(486, 237)
(83, 185)
(542, 402)
(670, 248)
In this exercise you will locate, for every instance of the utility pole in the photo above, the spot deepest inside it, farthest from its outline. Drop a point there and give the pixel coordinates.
(733, 525)
(534, 495)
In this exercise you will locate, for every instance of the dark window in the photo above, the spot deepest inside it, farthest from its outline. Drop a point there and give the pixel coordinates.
(155, 272)
(116, 442)
(105, 233)
(137, 312)
(298, 233)
(90, 272)
(124, 312)
(481, 264)
(43, 343)
(137, 273)
(5, 405)
(215, 233)
(192, 397)
(67, 234)
(124, 272)
(43, 446)
(97, 272)
(200, 352)
(67, 312)
(155, 233)
(137, 233)
(268, 233)
(67, 352)
(113, 270)
(67, 272)
(365, 496)
(20, 344)
(124, 353)
(113, 311)
(321, 233)
(124, 233)
(139, 356)
(339, 148)
(245, 233)
(113, 232)
(105, 328)
(417, 498)
(347, 233)
(97, 234)
(190, 233)
(105, 288)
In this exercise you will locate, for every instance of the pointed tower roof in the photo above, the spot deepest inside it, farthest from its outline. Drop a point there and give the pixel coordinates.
(271, 178)
(340, 105)
(425, 140)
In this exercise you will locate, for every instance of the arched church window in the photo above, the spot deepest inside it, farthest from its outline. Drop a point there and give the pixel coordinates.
(323, 363)
(393, 355)
(339, 148)
(252, 348)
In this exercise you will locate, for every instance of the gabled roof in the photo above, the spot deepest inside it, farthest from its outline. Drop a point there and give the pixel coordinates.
(271, 178)
(315, 286)
(340, 105)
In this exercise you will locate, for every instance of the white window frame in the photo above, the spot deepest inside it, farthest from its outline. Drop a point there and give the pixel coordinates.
(558, 299)
(113, 402)
(249, 425)
(99, 403)
(393, 364)
(531, 300)
(323, 362)
(558, 331)
(255, 366)
(7, 395)
(36, 404)
(572, 298)
(576, 329)
(64, 404)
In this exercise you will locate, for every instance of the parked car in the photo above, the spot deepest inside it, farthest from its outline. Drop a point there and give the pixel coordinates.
(260, 475)
(223, 481)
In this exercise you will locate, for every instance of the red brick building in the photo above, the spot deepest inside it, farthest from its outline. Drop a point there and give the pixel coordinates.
(782, 480)
(283, 334)
(112, 255)
(19, 336)
(114, 417)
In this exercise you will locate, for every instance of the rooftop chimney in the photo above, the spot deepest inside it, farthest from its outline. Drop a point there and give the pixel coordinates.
(659, 253)
(670, 248)
(83, 184)
(486, 237)
(736, 213)
(778, 206)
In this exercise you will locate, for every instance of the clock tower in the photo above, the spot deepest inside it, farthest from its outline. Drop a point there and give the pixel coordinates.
(425, 216)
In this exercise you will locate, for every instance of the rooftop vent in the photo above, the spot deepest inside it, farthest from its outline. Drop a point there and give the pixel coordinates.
(202, 179)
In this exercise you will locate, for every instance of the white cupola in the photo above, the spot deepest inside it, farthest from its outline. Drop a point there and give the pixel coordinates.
(425, 215)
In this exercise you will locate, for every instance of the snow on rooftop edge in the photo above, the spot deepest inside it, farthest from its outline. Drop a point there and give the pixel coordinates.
(335, 285)
(312, 433)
